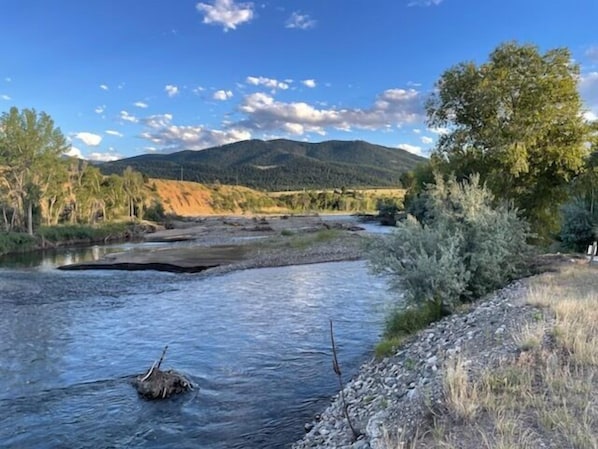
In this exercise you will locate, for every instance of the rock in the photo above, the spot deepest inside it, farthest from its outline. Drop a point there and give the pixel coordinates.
(161, 384)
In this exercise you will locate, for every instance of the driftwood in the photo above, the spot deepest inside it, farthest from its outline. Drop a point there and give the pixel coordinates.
(158, 384)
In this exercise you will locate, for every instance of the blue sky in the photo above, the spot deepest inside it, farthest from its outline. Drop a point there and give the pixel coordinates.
(128, 77)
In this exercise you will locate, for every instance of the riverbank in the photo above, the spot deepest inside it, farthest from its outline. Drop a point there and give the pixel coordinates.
(511, 372)
(218, 245)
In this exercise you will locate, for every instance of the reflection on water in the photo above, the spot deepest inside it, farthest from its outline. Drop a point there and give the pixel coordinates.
(255, 342)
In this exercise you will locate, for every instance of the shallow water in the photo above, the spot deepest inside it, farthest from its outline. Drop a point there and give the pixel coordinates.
(255, 342)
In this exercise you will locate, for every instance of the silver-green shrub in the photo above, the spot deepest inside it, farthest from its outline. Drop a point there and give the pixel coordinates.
(466, 248)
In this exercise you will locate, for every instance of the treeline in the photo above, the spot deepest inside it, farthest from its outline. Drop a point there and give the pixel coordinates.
(39, 186)
(340, 200)
(296, 176)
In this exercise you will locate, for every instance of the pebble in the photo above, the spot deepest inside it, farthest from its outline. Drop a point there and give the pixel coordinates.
(395, 386)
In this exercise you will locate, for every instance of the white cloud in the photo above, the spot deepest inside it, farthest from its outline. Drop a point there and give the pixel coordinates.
(89, 139)
(171, 137)
(5, 97)
(309, 83)
(300, 21)
(226, 13)
(427, 140)
(140, 104)
(104, 87)
(392, 107)
(590, 116)
(198, 90)
(171, 90)
(125, 116)
(417, 130)
(588, 88)
(270, 83)
(111, 132)
(104, 157)
(439, 130)
(100, 109)
(158, 121)
(411, 148)
(73, 152)
(424, 3)
(592, 53)
(222, 95)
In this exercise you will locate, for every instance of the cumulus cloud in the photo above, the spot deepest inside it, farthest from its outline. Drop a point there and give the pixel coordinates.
(222, 95)
(158, 121)
(411, 148)
(392, 107)
(427, 140)
(439, 130)
(104, 87)
(111, 132)
(125, 116)
(590, 116)
(5, 97)
(104, 157)
(588, 88)
(270, 83)
(100, 109)
(424, 3)
(140, 104)
(309, 83)
(226, 13)
(300, 21)
(73, 152)
(171, 90)
(89, 139)
(170, 137)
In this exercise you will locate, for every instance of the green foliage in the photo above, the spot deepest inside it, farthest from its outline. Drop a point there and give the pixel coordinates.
(84, 233)
(155, 212)
(387, 347)
(465, 249)
(280, 165)
(578, 228)
(11, 242)
(517, 121)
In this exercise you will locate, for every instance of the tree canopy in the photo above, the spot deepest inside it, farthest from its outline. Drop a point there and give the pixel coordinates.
(517, 121)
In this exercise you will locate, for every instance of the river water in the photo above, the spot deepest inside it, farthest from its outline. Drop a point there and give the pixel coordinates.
(254, 342)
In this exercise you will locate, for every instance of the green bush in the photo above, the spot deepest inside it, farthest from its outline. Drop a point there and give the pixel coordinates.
(11, 242)
(155, 212)
(577, 228)
(466, 247)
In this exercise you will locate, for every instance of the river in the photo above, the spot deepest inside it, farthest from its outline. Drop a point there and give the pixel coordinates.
(254, 342)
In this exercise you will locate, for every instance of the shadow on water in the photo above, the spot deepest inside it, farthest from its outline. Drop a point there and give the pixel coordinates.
(255, 342)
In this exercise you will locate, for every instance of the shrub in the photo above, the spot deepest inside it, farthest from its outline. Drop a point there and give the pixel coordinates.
(465, 249)
(577, 228)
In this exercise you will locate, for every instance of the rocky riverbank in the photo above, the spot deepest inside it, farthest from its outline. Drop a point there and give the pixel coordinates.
(392, 399)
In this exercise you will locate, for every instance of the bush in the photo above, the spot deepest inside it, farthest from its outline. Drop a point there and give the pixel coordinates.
(577, 229)
(11, 242)
(465, 249)
(155, 213)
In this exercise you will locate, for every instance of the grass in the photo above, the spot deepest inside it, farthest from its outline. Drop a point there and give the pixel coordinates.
(544, 397)
(403, 323)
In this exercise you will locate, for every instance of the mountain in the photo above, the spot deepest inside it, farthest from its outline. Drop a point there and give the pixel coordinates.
(279, 164)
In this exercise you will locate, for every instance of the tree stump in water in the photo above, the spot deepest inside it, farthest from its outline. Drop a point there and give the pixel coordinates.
(158, 384)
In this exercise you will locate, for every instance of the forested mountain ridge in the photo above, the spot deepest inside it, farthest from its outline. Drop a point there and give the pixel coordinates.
(279, 164)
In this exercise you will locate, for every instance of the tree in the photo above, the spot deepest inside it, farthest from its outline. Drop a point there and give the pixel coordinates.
(30, 145)
(516, 120)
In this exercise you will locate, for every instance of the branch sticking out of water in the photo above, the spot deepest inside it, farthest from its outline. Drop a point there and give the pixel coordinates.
(337, 370)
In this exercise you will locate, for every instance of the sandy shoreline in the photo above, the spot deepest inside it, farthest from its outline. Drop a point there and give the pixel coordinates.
(221, 244)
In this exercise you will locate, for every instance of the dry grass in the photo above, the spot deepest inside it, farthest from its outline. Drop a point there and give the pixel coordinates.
(546, 397)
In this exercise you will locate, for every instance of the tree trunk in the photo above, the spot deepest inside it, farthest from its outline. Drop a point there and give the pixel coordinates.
(30, 218)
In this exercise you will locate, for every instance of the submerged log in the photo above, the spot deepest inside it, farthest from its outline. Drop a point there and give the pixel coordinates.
(158, 384)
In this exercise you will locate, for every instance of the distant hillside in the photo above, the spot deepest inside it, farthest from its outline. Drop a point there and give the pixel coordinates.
(279, 164)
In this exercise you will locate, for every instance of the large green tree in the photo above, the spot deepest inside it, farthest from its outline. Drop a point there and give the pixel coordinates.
(516, 120)
(30, 146)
